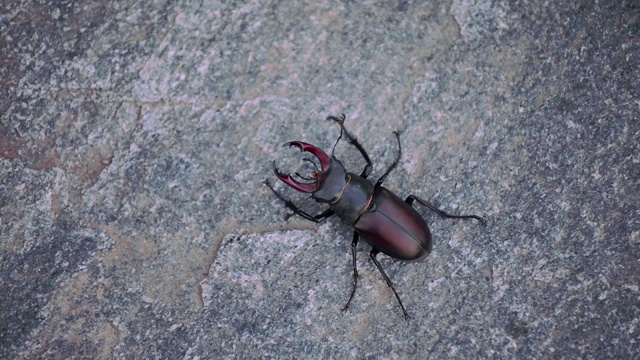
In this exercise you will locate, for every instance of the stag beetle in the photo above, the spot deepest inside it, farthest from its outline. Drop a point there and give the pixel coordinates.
(379, 216)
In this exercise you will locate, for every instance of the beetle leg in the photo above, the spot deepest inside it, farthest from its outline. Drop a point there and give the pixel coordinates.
(288, 203)
(442, 213)
(373, 254)
(354, 243)
(354, 141)
(393, 165)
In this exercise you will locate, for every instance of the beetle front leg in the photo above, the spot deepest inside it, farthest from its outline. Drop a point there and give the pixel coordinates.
(354, 243)
(288, 203)
(442, 213)
(373, 254)
(354, 141)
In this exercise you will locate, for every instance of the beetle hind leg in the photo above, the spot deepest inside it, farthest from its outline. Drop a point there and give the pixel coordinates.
(411, 198)
(373, 254)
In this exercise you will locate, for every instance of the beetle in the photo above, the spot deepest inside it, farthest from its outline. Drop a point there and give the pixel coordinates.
(378, 216)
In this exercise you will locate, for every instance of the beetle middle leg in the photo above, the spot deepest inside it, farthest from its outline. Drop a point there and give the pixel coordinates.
(354, 244)
(354, 141)
(411, 198)
(373, 254)
(288, 203)
(393, 165)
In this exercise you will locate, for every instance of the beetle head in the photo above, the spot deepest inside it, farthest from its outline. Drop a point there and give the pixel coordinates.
(325, 183)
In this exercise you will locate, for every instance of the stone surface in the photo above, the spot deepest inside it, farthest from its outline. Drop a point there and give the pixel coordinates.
(135, 136)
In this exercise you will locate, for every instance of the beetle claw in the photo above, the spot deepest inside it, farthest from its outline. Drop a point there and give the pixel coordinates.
(289, 180)
(321, 155)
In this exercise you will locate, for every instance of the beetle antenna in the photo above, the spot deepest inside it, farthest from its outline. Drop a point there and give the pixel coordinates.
(305, 177)
(313, 163)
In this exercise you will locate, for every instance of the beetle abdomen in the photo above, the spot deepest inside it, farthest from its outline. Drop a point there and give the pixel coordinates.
(394, 227)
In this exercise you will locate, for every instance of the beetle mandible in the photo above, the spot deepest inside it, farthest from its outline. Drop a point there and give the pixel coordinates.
(386, 222)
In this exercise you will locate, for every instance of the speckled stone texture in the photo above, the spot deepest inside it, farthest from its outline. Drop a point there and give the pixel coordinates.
(135, 137)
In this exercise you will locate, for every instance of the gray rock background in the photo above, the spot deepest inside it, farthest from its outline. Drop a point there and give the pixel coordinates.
(135, 136)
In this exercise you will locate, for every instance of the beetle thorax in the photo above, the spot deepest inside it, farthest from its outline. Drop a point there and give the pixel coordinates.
(354, 199)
